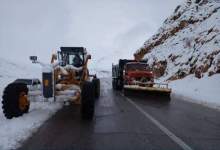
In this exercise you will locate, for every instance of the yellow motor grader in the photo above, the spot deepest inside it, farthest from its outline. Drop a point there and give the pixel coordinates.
(67, 78)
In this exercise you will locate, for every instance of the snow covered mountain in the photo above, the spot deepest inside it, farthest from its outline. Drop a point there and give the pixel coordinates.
(187, 43)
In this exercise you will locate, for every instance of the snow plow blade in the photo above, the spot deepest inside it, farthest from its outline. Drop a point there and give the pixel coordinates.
(155, 89)
(155, 92)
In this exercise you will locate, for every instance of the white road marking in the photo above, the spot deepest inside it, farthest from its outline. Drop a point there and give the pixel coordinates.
(176, 139)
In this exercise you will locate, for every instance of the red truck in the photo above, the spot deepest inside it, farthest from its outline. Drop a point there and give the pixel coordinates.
(138, 73)
(130, 75)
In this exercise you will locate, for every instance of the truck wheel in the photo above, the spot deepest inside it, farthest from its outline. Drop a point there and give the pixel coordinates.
(96, 83)
(87, 100)
(167, 97)
(14, 100)
(113, 87)
(119, 85)
(114, 84)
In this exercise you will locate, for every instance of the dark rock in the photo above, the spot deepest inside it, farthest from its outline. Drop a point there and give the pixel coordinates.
(192, 70)
(173, 58)
(211, 73)
(197, 1)
(181, 73)
(217, 68)
(160, 68)
(177, 8)
(198, 72)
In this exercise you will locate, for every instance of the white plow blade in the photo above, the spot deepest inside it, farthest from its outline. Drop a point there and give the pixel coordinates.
(137, 87)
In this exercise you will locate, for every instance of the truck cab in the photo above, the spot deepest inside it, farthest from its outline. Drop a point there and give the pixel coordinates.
(138, 73)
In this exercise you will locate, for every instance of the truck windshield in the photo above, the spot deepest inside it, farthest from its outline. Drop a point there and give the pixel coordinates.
(132, 67)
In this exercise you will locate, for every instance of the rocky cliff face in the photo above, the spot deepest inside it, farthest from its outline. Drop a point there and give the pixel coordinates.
(187, 43)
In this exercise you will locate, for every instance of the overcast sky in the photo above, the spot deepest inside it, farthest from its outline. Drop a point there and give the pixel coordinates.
(109, 29)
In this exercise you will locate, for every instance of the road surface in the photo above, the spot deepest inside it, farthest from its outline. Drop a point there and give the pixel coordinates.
(122, 123)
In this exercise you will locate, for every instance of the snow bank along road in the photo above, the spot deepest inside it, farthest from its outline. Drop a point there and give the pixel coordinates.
(13, 131)
(130, 123)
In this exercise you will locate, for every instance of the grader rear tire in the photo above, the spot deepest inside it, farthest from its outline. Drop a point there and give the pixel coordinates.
(13, 94)
(87, 101)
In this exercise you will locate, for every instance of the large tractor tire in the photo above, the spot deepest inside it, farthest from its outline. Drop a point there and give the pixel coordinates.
(87, 101)
(14, 100)
(96, 83)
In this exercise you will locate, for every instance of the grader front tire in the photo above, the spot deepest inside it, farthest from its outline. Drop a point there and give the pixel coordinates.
(14, 100)
(96, 83)
(87, 101)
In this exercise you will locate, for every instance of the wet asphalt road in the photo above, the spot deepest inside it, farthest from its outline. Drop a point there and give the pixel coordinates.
(119, 125)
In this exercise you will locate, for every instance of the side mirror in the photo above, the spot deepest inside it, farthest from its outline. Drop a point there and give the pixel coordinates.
(33, 59)
(53, 58)
(89, 57)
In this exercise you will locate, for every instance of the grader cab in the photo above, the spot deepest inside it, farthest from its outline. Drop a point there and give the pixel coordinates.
(66, 79)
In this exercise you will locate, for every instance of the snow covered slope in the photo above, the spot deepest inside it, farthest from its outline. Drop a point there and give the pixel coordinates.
(187, 43)
(187, 47)
(16, 130)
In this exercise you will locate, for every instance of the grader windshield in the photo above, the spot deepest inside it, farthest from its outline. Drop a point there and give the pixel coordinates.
(71, 56)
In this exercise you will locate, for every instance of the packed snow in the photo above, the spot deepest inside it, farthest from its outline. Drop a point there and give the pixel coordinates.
(205, 91)
(16, 130)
